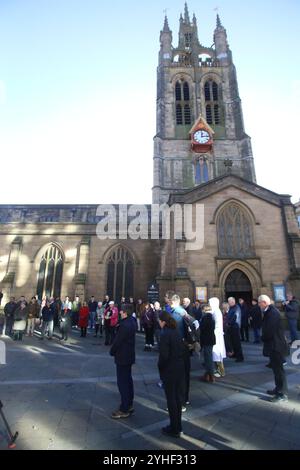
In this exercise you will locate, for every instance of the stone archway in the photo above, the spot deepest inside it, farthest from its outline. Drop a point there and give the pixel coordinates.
(238, 285)
(248, 278)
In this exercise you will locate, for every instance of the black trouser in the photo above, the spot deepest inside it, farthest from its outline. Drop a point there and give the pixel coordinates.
(18, 335)
(83, 331)
(149, 332)
(236, 343)
(125, 385)
(9, 321)
(75, 318)
(174, 390)
(245, 332)
(109, 334)
(187, 372)
(276, 361)
(227, 339)
(97, 329)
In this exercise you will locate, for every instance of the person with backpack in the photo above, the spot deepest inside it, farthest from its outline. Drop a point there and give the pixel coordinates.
(185, 325)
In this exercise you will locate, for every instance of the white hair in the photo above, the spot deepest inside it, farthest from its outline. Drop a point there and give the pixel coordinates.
(231, 298)
(264, 298)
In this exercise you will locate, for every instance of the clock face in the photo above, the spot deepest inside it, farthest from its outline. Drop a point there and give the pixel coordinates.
(202, 137)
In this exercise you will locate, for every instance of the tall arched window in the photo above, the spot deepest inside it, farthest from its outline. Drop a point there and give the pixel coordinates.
(178, 91)
(50, 273)
(183, 103)
(201, 172)
(212, 97)
(120, 274)
(235, 233)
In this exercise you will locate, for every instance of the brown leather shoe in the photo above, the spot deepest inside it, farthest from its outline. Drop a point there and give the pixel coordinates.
(120, 414)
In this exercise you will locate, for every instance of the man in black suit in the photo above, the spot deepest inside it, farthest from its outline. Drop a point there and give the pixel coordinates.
(275, 346)
(123, 350)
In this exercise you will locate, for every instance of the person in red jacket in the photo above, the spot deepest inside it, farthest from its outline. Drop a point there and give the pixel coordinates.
(83, 319)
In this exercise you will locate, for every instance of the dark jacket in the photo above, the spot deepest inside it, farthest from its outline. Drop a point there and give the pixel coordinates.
(273, 332)
(189, 309)
(93, 306)
(20, 314)
(244, 314)
(292, 310)
(148, 318)
(156, 314)
(207, 330)
(48, 313)
(123, 347)
(232, 317)
(197, 313)
(171, 354)
(256, 317)
(9, 309)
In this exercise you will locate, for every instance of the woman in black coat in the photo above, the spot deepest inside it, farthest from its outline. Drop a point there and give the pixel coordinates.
(171, 369)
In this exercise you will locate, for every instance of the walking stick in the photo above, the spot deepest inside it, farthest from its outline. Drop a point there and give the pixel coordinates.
(12, 438)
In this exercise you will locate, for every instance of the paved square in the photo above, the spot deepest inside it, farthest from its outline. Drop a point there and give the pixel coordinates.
(61, 395)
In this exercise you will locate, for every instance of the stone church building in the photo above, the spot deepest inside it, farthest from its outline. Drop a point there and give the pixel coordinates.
(202, 155)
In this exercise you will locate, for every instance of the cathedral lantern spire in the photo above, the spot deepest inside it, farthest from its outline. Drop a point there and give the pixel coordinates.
(219, 24)
(195, 26)
(221, 44)
(165, 53)
(186, 14)
(188, 31)
(166, 28)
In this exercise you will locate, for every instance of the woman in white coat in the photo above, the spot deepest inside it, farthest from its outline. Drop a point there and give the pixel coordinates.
(219, 351)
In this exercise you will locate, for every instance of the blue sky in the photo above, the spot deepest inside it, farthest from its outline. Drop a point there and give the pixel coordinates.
(78, 91)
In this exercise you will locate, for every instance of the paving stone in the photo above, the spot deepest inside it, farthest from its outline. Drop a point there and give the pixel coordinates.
(63, 400)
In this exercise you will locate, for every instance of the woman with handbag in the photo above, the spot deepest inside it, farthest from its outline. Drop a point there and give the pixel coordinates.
(20, 317)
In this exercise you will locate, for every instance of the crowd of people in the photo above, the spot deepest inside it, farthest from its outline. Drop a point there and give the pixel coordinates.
(184, 328)
(177, 329)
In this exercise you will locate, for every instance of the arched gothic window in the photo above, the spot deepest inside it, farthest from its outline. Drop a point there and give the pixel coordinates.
(50, 273)
(120, 274)
(183, 103)
(201, 172)
(235, 234)
(212, 98)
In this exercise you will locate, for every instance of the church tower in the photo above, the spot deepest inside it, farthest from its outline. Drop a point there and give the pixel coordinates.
(200, 132)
